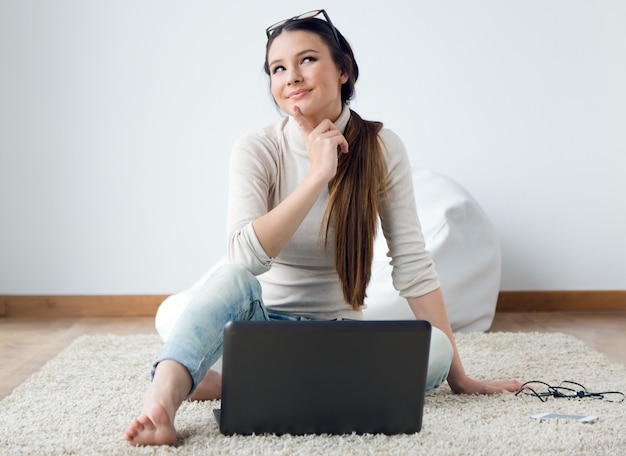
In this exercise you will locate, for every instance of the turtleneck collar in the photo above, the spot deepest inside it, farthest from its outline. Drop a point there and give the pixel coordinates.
(293, 134)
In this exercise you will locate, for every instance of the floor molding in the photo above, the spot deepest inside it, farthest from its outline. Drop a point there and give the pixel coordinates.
(562, 301)
(56, 306)
(40, 306)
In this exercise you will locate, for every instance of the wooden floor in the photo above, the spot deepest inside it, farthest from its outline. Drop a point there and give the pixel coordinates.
(27, 344)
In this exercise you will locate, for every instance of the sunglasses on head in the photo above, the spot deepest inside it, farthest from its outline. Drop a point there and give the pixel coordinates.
(303, 17)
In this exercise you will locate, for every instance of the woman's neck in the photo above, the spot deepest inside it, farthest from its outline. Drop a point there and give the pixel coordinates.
(332, 113)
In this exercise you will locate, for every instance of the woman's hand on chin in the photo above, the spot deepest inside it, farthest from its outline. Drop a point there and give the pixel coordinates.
(322, 143)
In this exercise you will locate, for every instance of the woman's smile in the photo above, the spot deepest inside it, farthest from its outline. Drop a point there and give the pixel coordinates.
(298, 94)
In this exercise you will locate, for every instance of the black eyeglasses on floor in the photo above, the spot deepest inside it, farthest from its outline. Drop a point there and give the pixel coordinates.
(567, 389)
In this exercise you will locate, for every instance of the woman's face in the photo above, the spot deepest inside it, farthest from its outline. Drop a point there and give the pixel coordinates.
(303, 74)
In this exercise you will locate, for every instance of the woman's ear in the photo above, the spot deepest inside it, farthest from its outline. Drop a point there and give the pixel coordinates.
(343, 78)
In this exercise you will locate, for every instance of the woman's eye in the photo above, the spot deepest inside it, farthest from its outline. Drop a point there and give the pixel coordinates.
(281, 68)
(278, 69)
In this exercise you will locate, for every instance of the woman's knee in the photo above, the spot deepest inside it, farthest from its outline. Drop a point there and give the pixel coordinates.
(231, 290)
(235, 271)
(234, 276)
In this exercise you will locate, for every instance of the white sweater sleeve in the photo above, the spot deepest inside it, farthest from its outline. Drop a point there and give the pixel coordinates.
(413, 271)
(251, 177)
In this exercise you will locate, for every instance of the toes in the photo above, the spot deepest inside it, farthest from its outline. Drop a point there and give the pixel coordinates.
(146, 423)
(136, 427)
(152, 428)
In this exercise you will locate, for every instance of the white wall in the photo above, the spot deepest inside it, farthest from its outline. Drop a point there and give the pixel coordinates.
(117, 118)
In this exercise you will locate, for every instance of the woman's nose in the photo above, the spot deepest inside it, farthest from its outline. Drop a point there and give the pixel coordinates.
(294, 76)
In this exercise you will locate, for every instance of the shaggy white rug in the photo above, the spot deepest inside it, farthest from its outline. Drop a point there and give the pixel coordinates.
(82, 400)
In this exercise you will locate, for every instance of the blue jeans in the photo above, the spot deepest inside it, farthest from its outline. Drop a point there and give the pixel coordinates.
(232, 293)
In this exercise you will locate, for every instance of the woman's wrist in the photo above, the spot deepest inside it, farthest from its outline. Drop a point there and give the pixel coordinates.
(459, 381)
(318, 178)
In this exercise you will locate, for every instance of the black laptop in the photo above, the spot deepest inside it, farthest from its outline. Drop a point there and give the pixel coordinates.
(323, 377)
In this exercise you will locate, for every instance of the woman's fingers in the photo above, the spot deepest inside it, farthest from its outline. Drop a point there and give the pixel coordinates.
(322, 142)
(325, 129)
(305, 126)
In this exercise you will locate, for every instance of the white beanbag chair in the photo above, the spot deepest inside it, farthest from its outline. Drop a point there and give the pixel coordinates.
(462, 242)
(466, 250)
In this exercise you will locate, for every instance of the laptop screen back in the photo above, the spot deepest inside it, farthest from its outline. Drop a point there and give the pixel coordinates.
(316, 377)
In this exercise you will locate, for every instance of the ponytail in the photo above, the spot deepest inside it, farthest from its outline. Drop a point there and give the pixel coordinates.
(353, 207)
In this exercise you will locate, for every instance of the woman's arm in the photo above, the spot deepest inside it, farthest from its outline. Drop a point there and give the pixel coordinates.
(431, 307)
(275, 228)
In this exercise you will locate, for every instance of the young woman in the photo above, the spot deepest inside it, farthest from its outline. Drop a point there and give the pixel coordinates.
(304, 202)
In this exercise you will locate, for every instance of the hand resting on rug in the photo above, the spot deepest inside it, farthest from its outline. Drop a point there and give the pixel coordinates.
(431, 307)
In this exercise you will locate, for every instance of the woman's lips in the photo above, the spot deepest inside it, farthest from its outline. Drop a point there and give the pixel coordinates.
(297, 94)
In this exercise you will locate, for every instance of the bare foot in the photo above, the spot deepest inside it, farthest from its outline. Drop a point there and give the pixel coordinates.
(210, 388)
(153, 428)
(155, 425)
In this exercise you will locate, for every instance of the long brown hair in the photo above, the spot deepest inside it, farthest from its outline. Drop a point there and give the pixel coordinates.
(355, 189)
